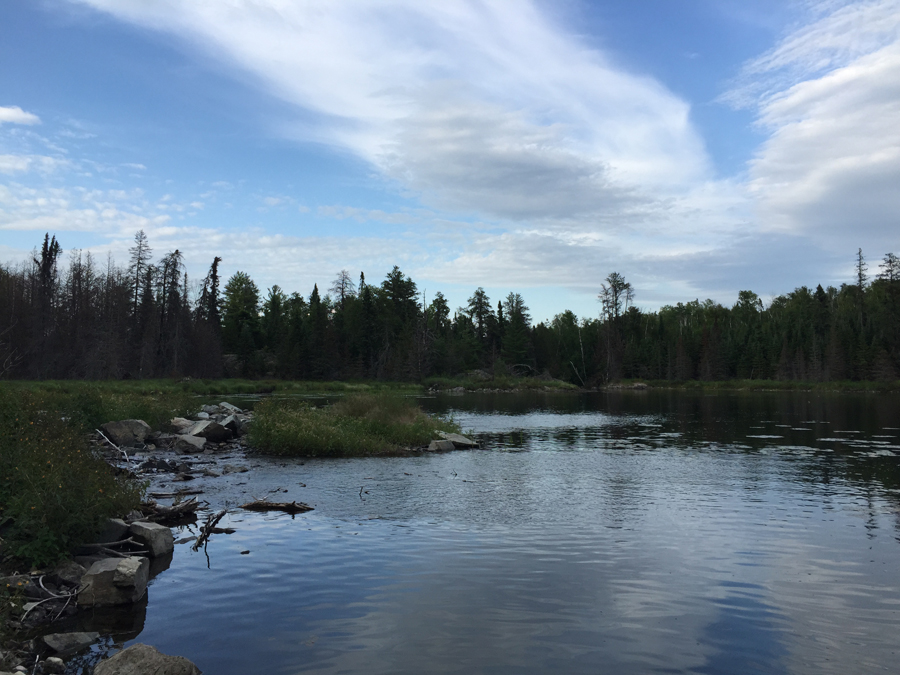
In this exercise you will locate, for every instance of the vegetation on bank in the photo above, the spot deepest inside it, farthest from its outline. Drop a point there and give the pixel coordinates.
(356, 425)
(146, 320)
(55, 492)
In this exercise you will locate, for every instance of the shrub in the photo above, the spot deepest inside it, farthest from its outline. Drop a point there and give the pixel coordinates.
(357, 425)
(55, 493)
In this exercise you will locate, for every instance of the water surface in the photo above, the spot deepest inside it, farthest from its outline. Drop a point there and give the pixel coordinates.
(646, 532)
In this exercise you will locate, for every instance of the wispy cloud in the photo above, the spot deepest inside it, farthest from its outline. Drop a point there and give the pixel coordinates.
(829, 97)
(481, 106)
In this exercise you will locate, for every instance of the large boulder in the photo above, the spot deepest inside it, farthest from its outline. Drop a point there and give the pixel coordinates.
(69, 643)
(158, 538)
(180, 424)
(233, 409)
(114, 581)
(441, 446)
(211, 431)
(188, 444)
(141, 659)
(127, 432)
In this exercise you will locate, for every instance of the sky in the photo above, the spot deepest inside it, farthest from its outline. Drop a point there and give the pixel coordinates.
(698, 147)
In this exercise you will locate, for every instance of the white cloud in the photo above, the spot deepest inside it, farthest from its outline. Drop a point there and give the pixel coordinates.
(481, 106)
(15, 115)
(831, 103)
(10, 164)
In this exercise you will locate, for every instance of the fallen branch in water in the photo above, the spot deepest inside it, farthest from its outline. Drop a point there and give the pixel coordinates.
(287, 507)
(208, 528)
(174, 512)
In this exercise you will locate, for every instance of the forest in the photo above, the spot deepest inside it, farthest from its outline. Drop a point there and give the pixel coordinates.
(90, 320)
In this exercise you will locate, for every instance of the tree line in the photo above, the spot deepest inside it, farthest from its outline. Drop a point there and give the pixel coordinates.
(96, 320)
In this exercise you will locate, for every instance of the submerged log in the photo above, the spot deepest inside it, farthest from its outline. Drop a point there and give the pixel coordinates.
(287, 507)
(161, 514)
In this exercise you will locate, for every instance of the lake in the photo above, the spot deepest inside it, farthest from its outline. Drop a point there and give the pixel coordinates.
(627, 532)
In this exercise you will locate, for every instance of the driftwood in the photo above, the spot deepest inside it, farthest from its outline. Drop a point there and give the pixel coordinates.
(177, 493)
(160, 514)
(287, 507)
(208, 529)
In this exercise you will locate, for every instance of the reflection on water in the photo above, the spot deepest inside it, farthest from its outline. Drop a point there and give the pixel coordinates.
(636, 533)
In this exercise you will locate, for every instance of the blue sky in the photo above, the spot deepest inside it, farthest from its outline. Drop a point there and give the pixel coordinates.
(698, 147)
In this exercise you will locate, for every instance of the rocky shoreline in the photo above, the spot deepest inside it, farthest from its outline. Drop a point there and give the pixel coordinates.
(111, 576)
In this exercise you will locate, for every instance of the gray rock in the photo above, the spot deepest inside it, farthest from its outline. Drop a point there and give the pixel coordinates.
(211, 431)
(69, 572)
(457, 440)
(202, 416)
(233, 409)
(55, 665)
(114, 530)
(231, 422)
(69, 643)
(141, 659)
(127, 432)
(188, 443)
(158, 538)
(180, 424)
(441, 446)
(233, 468)
(211, 409)
(114, 581)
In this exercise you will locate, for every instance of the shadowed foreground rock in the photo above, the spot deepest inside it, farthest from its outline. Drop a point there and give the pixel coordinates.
(141, 659)
(114, 581)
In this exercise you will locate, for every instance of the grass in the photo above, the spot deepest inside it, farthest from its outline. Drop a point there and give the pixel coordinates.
(361, 424)
(769, 385)
(502, 382)
(55, 492)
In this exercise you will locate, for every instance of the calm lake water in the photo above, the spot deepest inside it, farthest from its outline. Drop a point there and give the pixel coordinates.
(637, 532)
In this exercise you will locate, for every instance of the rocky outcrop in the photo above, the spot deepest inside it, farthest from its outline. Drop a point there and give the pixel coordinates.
(141, 659)
(441, 446)
(128, 433)
(189, 444)
(211, 431)
(459, 442)
(114, 581)
(158, 538)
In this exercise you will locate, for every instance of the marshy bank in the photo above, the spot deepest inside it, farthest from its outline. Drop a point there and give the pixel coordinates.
(70, 486)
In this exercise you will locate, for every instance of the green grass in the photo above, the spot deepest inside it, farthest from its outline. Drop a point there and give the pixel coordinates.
(55, 493)
(361, 424)
(768, 385)
(503, 382)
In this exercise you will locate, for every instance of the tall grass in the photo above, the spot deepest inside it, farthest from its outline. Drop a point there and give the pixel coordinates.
(357, 425)
(55, 493)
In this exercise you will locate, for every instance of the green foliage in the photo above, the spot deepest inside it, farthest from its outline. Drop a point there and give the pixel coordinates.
(357, 425)
(55, 493)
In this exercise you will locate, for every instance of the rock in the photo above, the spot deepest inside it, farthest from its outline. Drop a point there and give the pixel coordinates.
(141, 659)
(211, 409)
(232, 468)
(232, 423)
(211, 431)
(54, 665)
(114, 530)
(158, 537)
(202, 416)
(70, 572)
(189, 444)
(233, 409)
(114, 581)
(441, 446)
(127, 432)
(457, 440)
(209, 473)
(180, 424)
(181, 477)
(69, 643)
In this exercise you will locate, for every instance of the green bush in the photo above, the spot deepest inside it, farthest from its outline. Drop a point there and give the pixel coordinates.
(357, 425)
(55, 493)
